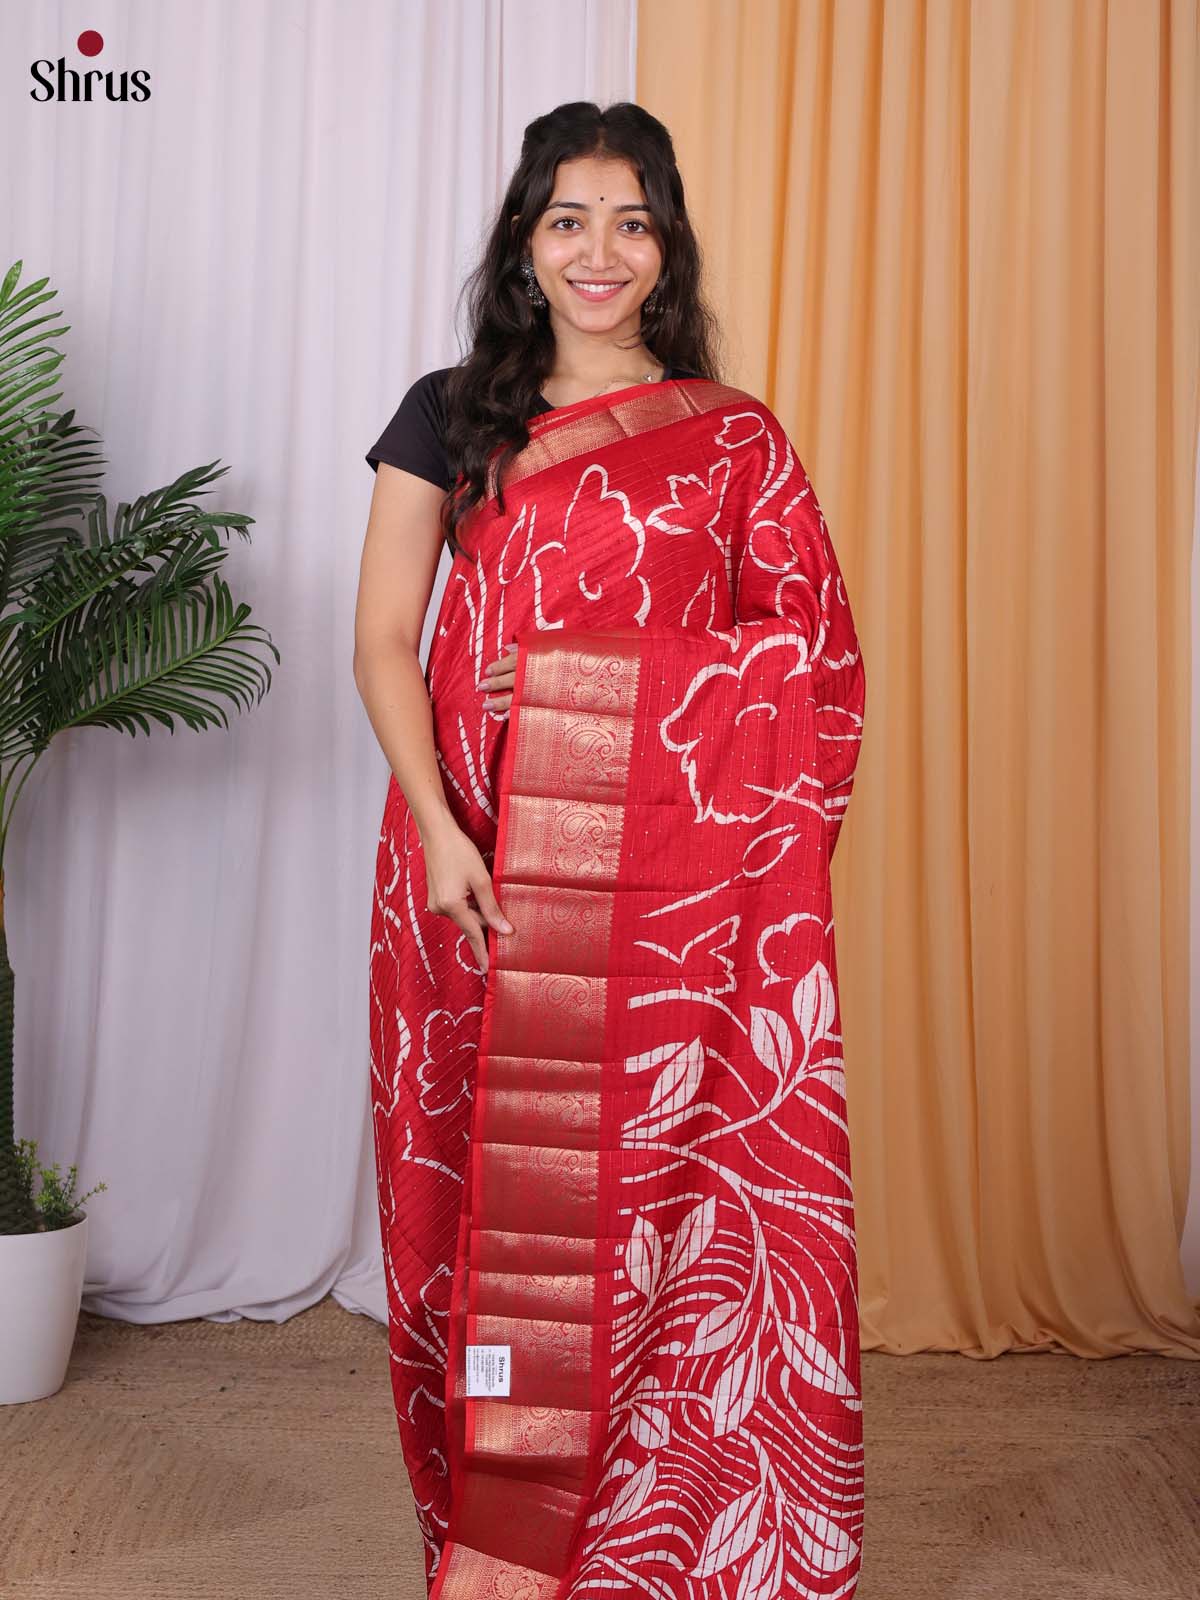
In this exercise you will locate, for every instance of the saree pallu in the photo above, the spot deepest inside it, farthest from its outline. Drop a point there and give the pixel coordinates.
(614, 1171)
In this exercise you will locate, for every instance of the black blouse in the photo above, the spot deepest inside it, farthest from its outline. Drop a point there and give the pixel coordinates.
(413, 439)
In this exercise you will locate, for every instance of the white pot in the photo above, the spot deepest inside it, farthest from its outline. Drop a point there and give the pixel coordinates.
(41, 1287)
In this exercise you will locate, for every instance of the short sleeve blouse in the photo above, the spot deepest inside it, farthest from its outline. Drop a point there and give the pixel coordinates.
(414, 438)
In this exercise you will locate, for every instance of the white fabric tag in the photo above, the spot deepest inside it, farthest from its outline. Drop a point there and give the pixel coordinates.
(489, 1368)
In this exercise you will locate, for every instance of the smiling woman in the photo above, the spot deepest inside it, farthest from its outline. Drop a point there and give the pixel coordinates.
(608, 1090)
(601, 253)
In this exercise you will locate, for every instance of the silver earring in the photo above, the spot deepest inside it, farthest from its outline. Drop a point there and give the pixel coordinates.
(532, 287)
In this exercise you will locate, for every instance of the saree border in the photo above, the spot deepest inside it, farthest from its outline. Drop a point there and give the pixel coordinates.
(531, 1268)
(555, 438)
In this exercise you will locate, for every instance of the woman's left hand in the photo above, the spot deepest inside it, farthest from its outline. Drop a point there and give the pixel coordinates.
(499, 677)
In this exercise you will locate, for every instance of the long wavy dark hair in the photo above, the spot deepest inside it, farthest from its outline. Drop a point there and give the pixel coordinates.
(492, 392)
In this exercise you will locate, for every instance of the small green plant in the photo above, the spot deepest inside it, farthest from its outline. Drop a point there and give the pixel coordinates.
(57, 1201)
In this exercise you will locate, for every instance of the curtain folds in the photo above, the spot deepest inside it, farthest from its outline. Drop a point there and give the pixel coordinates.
(255, 263)
(956, 247)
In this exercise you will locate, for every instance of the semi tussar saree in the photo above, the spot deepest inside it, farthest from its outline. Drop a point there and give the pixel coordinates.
(614, 1171)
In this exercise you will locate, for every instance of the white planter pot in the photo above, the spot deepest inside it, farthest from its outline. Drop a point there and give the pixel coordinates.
(41, 1287)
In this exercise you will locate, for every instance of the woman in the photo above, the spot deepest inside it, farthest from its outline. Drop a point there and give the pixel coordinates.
(609, 1107)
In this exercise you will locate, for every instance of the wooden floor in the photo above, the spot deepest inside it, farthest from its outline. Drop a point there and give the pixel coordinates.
(191, 1460)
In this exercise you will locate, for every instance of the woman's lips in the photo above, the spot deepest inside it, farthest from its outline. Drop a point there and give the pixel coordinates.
(596, 294)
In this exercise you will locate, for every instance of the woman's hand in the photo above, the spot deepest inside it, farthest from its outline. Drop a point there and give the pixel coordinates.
(499, 677)
(454, 872)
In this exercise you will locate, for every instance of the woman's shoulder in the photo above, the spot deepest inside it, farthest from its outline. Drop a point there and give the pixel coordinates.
(722, 393)
(434, 380)
(731, 400)
(414, 438)
(424, 402)
(429, 391)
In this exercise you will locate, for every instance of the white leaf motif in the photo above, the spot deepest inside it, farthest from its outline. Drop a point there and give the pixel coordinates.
(634, 1492)
(732, 1534)
(717, 1327)
(649, 1422)
(692, 1237)
(678, 1081)
(826, 1546)
(815, 1362)
(736, 1391)
(651, 1058)
(771, 1040)
(763, 1573)
(643, 1257)
(813, 1004)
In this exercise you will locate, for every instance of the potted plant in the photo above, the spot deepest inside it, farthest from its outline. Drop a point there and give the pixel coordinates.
(41, 1279)
(104, 622)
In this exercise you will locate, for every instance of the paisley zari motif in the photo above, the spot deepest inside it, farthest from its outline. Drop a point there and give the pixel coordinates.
(614, 1173)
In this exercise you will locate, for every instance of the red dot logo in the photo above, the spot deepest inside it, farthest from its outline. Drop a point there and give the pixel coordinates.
(89, 43)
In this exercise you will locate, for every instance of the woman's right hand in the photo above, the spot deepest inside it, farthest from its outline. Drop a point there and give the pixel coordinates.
(454, 874)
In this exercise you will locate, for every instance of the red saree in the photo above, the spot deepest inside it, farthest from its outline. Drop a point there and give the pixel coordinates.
(614, 1176)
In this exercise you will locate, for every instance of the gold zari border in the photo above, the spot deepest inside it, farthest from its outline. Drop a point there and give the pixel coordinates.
(529, 1458)
(553, 440)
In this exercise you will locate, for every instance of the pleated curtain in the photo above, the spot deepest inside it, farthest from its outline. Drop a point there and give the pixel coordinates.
(956, 249)
(255, 264)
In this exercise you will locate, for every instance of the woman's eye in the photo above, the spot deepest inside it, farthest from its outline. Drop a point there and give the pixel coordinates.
(574, 221)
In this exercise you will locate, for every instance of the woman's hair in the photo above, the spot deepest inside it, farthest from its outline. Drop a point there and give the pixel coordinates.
(491, 393)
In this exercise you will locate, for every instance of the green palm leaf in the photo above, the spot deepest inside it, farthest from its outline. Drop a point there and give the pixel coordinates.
(118, 621)
(164, 652)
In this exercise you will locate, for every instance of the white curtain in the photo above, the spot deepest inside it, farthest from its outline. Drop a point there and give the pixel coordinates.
(254, 263)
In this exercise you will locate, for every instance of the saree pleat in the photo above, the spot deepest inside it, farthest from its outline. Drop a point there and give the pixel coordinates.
(614, 1172)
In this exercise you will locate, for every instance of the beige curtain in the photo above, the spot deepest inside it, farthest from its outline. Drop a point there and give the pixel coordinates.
(954, 245)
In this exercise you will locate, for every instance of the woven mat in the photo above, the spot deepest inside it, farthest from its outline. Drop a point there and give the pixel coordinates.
(187, 1460)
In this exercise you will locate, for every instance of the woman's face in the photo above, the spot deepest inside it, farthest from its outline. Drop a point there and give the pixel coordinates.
(596, 228)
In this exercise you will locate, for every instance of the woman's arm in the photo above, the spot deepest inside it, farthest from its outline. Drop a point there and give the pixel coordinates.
(399, 563)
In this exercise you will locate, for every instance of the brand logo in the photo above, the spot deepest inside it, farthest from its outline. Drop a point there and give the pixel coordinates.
(55, 80)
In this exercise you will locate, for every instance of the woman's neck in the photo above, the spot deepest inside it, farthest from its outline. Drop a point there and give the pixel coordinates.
(563, 388)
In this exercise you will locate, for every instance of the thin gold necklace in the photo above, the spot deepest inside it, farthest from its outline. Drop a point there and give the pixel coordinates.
(622, 383)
